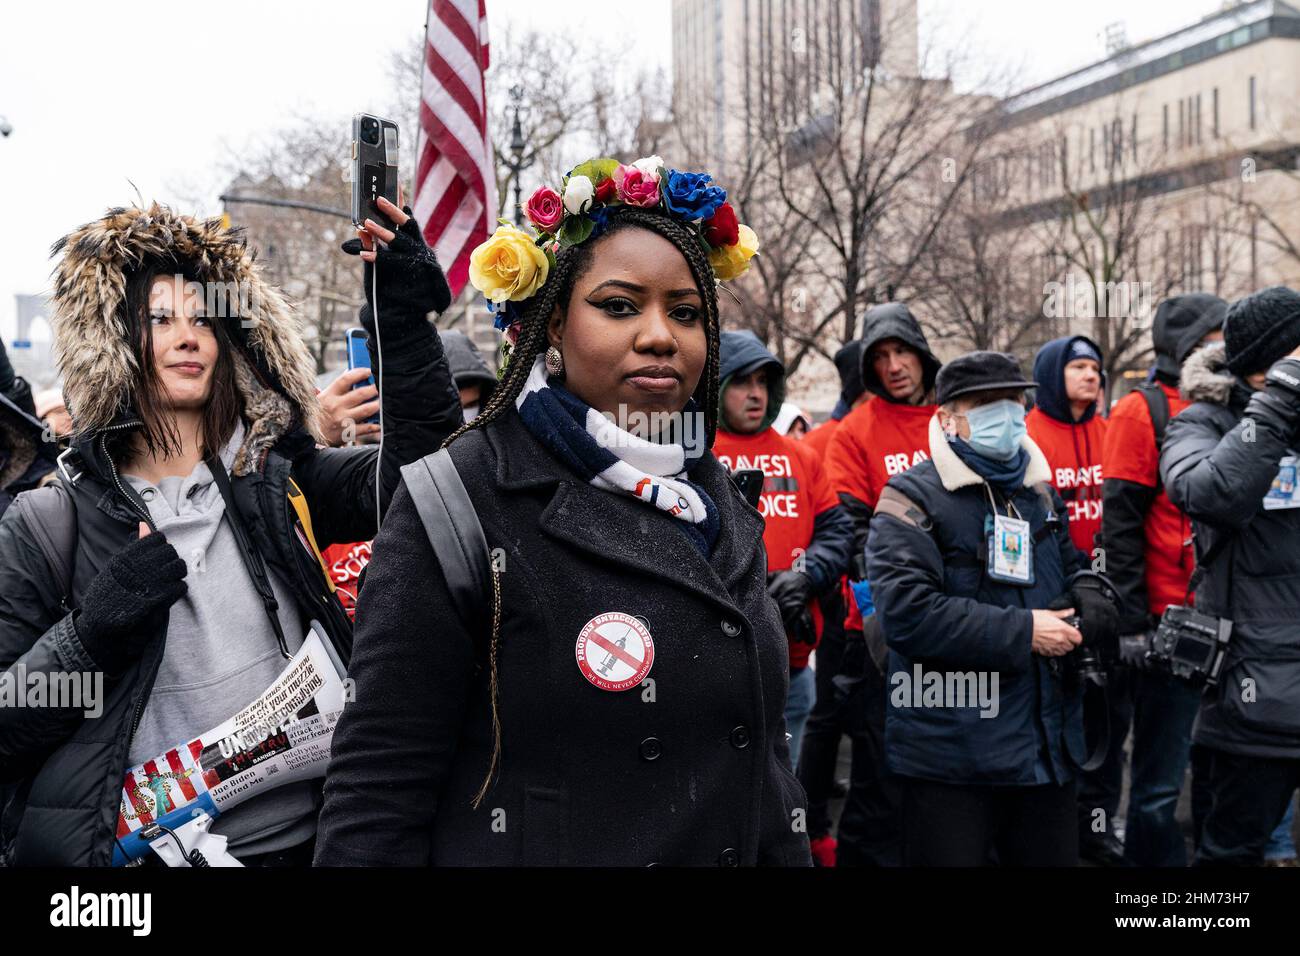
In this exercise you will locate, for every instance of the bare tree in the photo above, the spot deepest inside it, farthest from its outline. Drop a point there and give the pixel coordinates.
(837, 156)
(300, 247)
(970, 281)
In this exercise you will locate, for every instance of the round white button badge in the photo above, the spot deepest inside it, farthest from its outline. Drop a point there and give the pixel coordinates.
(615, 651)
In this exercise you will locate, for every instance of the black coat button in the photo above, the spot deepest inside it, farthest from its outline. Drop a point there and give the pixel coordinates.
(730, 627)
(729, 857)
(651, 748)
(740, 737)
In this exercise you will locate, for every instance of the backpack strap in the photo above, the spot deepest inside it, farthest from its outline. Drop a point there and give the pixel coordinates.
(1158, 407)
(50, 513)
(454, 532)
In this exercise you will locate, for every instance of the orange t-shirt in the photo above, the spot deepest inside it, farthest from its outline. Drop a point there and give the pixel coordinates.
(1131, 455)
(1074, 453)
(874, 442)
(819, 439)
(795, 492)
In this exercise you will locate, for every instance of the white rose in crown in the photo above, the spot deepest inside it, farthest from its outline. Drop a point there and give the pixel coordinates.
(578, 193)
(650, 165)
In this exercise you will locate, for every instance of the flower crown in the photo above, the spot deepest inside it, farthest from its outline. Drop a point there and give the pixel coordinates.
(512, 265)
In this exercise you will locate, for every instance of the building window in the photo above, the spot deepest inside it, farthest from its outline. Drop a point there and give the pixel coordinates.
(1214, 108)
(1165, 140)
(1197, 125)
(1092, 150)
(1133, 138)
(1182, 123)
(1252, 102)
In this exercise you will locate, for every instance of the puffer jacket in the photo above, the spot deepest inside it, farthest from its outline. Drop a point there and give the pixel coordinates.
(1222, 457)
(62, 770)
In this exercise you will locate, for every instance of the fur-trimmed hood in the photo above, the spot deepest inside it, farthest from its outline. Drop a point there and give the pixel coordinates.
(955, 473)
(1206, 378)
(273, 367)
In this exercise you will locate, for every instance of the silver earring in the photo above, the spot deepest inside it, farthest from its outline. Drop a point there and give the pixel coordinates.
(554, 362)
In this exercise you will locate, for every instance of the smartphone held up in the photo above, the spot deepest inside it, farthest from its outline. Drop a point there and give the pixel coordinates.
(374, 168)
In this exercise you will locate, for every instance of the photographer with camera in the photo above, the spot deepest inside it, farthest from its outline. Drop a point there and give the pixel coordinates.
(1229, 462)
(967, 553)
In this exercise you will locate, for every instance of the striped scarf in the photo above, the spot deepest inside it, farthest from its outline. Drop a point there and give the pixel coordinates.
(612, 458)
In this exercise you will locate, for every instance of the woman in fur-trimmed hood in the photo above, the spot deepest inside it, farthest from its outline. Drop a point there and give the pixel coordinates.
(178, 555)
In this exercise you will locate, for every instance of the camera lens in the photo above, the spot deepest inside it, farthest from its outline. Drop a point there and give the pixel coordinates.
(370, 131)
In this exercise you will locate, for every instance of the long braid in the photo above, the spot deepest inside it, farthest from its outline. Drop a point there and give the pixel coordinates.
(570, 262)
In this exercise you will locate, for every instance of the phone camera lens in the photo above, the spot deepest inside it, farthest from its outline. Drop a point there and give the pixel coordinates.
(370, 131)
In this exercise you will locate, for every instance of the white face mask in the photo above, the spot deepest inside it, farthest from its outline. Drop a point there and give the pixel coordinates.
(470, 412)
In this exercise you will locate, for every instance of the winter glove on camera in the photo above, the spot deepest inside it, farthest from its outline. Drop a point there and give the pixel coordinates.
(411, 283)
(121, 609)
(1095, 601)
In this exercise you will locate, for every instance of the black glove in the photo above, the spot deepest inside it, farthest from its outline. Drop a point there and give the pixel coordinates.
(122, 606)
(1095, 601)
(1284, 375)
(791, 590)
(411, 283)
(1133, 649)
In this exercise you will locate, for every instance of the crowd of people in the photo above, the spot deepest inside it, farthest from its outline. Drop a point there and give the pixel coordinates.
(694, 592)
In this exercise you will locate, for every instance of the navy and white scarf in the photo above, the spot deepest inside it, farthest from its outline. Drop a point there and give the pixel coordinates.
(612, 458)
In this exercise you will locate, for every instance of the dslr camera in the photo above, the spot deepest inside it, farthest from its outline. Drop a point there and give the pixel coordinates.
(1190, 645)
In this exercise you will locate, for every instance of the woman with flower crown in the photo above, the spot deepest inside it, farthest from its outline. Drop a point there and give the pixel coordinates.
(621, 704)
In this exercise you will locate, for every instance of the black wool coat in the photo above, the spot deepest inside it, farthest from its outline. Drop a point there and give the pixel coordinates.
(690, 767)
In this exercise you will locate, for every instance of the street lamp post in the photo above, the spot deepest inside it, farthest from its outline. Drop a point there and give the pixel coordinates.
(517, 163)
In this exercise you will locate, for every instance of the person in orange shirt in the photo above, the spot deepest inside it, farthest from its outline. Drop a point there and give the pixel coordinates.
(848, 362)
(883, 437)
(1066, 426)
(1149, 557)
(806, 532)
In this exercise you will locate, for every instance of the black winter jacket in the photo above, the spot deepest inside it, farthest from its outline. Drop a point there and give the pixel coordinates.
(691, 767)
(68, 769)
(1221, 457)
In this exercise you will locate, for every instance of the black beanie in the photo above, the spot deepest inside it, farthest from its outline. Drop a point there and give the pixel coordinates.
(1262, 328)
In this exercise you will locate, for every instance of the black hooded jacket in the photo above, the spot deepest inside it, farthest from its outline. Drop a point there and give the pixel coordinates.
(894, 320)
(468, 366)
(1221, 458)
(64, 770)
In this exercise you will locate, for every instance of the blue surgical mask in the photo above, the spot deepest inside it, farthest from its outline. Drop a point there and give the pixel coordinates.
(997, 429)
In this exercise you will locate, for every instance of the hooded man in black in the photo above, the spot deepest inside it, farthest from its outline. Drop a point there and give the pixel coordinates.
(1147, 543)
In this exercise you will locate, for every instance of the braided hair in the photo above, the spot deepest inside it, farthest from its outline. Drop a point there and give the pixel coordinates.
(571, 263)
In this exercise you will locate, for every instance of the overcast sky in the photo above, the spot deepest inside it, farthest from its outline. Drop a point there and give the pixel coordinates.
(105, 98)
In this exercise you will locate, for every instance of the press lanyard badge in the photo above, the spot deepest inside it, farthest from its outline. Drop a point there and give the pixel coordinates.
(1284, 493)
(1011, 551)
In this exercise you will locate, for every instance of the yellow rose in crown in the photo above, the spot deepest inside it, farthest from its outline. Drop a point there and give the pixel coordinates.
(731, 261)
(509, 267)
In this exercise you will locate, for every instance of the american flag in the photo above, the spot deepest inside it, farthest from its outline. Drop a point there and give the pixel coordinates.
(455, 182)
